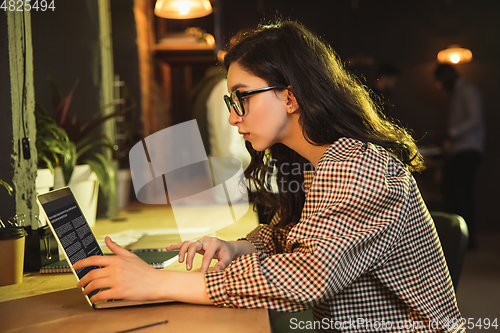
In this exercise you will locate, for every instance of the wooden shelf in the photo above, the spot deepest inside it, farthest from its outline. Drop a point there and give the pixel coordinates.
(169, 71)
(185, 53)
(183, 47)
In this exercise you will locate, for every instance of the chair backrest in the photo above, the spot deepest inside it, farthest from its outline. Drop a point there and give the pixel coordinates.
(454, 235)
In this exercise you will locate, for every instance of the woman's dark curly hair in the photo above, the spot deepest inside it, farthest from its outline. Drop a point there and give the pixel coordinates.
(332, 104)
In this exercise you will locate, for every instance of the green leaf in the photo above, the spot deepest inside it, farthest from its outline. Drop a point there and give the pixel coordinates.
(7, 186)
(105, 172)
(82, 150)
(98, 119)
(68, 161)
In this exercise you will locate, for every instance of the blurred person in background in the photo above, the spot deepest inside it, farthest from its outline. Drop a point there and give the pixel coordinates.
(464, 147)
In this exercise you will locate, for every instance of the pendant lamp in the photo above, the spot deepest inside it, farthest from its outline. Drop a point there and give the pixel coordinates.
(182, 9)
(454, 54)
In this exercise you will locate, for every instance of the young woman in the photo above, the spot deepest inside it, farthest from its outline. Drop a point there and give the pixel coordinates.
(351, 237)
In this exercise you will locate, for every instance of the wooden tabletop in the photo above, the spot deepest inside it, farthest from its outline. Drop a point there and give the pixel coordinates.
(68, 311)
(52, 303)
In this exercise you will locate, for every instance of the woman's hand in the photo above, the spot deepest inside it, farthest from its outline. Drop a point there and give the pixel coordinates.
(211, 248)
(124, 276)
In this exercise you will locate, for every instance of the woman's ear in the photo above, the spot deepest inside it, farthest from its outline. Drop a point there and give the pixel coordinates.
(291, 103)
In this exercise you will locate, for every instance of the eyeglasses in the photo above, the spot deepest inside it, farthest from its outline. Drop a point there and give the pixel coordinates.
(235, 99)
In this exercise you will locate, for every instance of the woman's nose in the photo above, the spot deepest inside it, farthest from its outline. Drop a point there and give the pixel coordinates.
(234, 119)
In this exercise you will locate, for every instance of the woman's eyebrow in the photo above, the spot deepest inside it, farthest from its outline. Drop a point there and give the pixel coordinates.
(237, 86)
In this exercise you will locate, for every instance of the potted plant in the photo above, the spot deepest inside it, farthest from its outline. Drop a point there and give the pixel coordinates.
(82, 165)
(53, 146)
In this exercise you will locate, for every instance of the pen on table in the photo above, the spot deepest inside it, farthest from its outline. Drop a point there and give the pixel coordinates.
(145, 326)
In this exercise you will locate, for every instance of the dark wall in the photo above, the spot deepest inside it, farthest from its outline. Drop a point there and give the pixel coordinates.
(125, 56)
(126, 65)
(408, 35)
(65, 47)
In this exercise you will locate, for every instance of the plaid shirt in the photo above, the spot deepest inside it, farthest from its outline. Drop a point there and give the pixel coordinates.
(365, 254)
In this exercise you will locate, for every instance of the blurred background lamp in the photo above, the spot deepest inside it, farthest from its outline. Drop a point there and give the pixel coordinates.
(182, 9)
(454, 55)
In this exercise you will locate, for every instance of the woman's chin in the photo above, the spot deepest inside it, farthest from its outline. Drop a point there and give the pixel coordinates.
(259, 146)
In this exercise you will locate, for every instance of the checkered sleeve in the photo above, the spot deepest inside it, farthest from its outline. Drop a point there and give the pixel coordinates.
(269, 239)
(351, 220)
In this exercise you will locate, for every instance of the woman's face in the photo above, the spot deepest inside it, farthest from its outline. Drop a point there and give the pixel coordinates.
(266, 120)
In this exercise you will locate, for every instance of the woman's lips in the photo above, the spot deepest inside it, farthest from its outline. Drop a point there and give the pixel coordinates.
(245, 135)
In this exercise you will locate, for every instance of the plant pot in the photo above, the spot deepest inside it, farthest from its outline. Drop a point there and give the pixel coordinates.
(85, 186)
(123, 183)
(44, 182)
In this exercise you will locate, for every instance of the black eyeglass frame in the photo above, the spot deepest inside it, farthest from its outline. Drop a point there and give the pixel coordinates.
(241, 95)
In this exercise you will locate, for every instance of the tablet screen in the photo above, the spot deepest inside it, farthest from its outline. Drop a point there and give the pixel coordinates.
(73, 231)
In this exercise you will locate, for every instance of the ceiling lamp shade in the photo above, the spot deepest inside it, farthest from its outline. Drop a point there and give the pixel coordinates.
(454, 55)
(182, 9)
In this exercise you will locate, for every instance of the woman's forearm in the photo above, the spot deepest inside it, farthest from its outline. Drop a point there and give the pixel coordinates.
(242, 247)
(190, 287)
(187, 287)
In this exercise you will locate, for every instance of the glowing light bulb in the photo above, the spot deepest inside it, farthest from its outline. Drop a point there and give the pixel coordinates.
(183, 8)
(455, 58)
(454, 55)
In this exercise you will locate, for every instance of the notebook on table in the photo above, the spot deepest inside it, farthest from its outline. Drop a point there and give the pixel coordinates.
(73, 234)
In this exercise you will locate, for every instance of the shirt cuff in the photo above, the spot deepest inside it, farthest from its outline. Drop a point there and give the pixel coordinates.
(216, 288)
(261, 238)
(259, 245)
